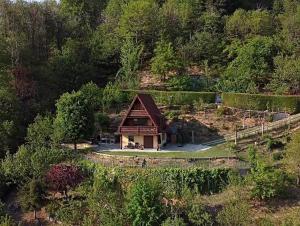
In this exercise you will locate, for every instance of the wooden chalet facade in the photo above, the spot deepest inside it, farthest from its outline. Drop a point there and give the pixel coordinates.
(143, 126)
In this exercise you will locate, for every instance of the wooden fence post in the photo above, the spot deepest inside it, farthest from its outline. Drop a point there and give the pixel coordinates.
(236, 135)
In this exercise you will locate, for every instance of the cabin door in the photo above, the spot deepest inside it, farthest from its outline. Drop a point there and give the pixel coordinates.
(148, 141)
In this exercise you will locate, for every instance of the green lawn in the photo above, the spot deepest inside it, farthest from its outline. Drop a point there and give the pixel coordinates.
(217, 151)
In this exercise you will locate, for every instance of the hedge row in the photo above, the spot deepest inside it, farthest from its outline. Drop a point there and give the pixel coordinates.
(175, 97)
(289, 104)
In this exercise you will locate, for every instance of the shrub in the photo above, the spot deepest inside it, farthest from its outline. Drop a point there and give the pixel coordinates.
(144, 206)
(289, 104)
(277, 156)
(71, 212)
(267, 182)
(177, 221)
(61, 177)
(7, 221)
(185, 109)
(102, 122)
(221, 111)
(175, 97)
(171, 115)
(31, 195)
(271, 143)
(235, 213)
(198, 215)
(184, 83)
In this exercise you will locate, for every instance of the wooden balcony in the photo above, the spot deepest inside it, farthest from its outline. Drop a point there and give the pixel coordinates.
(137, 113)
(139, 130)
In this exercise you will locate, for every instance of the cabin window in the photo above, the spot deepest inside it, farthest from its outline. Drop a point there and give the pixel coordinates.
(131, 138)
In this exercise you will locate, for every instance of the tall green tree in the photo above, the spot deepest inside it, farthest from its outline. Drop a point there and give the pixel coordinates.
(243, 24)
(286, 77)
(130, 60)
(74, 117)
(40, 132)
(251, 67)
(164, 59)
(140, 21)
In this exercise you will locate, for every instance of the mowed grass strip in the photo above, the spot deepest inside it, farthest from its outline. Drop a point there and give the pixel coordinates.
(215, 152)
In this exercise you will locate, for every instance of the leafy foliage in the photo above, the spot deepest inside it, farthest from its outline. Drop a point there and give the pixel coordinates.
(61, 177)
(74, 118)
(144, 207)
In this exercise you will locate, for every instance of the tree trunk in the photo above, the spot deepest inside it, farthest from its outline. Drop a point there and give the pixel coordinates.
(75, 145)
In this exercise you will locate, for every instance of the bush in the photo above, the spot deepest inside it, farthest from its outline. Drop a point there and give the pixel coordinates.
(277, 156)
(71, 212)
(221, 111)
(198, 215)
(144, 206)
(235, 213)
(261, 102)
(177, 221)
(267, 182)
(271, 143)
(30, 196)
(175, 97)
(184, 83)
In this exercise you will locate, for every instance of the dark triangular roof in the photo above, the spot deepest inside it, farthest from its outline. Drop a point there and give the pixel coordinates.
(150, 107)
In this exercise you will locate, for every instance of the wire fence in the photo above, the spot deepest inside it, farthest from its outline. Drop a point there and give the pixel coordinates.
(262, 129)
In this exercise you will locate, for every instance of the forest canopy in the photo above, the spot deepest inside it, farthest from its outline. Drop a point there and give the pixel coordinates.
(49, 48)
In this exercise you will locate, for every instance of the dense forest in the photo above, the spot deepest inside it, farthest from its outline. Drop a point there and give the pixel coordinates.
(54, 57)
(48, 48)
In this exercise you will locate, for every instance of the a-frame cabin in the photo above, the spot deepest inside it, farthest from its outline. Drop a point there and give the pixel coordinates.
(143, 125)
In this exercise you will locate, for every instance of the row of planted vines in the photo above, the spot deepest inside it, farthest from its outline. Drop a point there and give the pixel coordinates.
(174, 180)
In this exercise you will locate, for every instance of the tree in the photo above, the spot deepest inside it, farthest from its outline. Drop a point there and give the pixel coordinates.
(9, 121)
(93, 94)
(292, 158)
(140, 21)
(205, 46)
(130, 60)
(88, 12)
(144, 207)
(110, 95)
(31, 196)
(74, 117)
(40, 133)
(286, 78)
(290, 23)
(62, 177)
(164, 59)
(243, 24)
(252, 65)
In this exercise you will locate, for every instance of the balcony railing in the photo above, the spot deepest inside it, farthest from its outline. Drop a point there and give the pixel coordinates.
(138, 129)
(138, 113)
